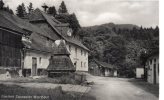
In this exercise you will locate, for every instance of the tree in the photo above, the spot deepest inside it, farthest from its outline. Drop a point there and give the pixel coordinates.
(156, 33)
(62, 8)
(21, 11)
(74, 23)
(30, 8)
(24, 9)
(52, 10)
(1, 4)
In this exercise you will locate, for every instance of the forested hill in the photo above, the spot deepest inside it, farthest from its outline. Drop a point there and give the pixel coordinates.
(120, 44)
(117, 26)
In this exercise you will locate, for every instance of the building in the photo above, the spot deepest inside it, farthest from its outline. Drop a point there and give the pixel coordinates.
(139, 72)
(152, 67)
(56, 30)
(102, 69)
(12, 29)
(37, 53)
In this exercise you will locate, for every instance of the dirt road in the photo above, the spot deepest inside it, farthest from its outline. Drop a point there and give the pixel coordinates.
(107, 88)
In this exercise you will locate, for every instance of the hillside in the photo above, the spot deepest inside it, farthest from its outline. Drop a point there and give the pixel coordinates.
(119, 44)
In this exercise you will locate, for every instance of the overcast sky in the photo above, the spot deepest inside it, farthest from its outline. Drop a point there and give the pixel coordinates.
(96, 12)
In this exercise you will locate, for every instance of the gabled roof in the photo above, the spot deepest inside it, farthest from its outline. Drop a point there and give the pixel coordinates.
(104, 64)
(60, 61)
(61, 49)
(55, 24)
(38, 43)
(17, 24)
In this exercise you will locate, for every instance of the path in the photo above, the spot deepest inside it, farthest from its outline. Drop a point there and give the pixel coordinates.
(108, 88)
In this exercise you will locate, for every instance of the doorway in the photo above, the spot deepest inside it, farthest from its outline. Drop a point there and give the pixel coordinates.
(154, 73)
(34, 66)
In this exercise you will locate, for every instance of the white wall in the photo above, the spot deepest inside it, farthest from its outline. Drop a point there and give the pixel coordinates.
(44, 60)
(78, 57)
(150, 67)
(139, 72)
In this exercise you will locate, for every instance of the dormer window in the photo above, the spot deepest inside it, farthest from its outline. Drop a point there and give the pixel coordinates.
(69, 32)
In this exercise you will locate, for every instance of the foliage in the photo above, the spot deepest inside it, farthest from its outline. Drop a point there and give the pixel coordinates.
(7, 9)
(1, 4)
(52, 10)
(42, 93)
(121, 45)
(30, 7)
(71, 19)
(21, 10)
(62, 8)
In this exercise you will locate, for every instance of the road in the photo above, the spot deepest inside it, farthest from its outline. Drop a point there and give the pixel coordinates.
(108, 88)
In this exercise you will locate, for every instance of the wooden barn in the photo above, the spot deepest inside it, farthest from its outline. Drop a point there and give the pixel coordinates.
(11, 48)
(102, 69)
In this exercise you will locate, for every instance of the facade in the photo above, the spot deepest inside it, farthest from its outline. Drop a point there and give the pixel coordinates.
(102, 69)
(79, 57)
(152, 67)
(139, 72)
(56, 30)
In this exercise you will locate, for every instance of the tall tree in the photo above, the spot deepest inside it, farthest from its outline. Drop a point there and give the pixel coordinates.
(19, 11)
(30, 8)
(24, 9)
(62, 8)
(74, 23)
(1, 4)
(52, 10)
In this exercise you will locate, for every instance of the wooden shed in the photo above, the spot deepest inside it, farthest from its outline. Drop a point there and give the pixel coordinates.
(60, 62)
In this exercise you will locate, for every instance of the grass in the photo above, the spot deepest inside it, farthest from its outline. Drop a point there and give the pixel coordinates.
(65, 79)
(42, 94)
(151, 88)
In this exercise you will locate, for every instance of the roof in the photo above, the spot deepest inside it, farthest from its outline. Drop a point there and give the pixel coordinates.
(104, 64)
(38, 44)
(61, 49)
(38, 15)
(61, 63)
(17, 24)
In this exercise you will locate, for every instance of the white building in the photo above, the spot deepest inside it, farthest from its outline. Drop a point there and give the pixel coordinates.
(139, 72)
(37, 56)
(152, 66)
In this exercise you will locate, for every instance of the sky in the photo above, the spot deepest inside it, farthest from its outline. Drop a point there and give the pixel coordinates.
(96, 12)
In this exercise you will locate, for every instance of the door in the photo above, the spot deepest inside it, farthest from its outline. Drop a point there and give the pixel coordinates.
(34, 66)
(155, 74)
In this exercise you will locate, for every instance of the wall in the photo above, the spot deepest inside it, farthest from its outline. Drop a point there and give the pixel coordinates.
(10, 49)
(150, 66)
(44, 60)
(81, 60)
(139, 72)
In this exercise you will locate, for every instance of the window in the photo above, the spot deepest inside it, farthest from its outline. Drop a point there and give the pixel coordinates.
(84, 53)
(150, 61)
(81, 52)
(154, 60)
(70, 48)
(40, 60)
(75, 63)
(81, 64)
(76, 52)
(85, 64)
